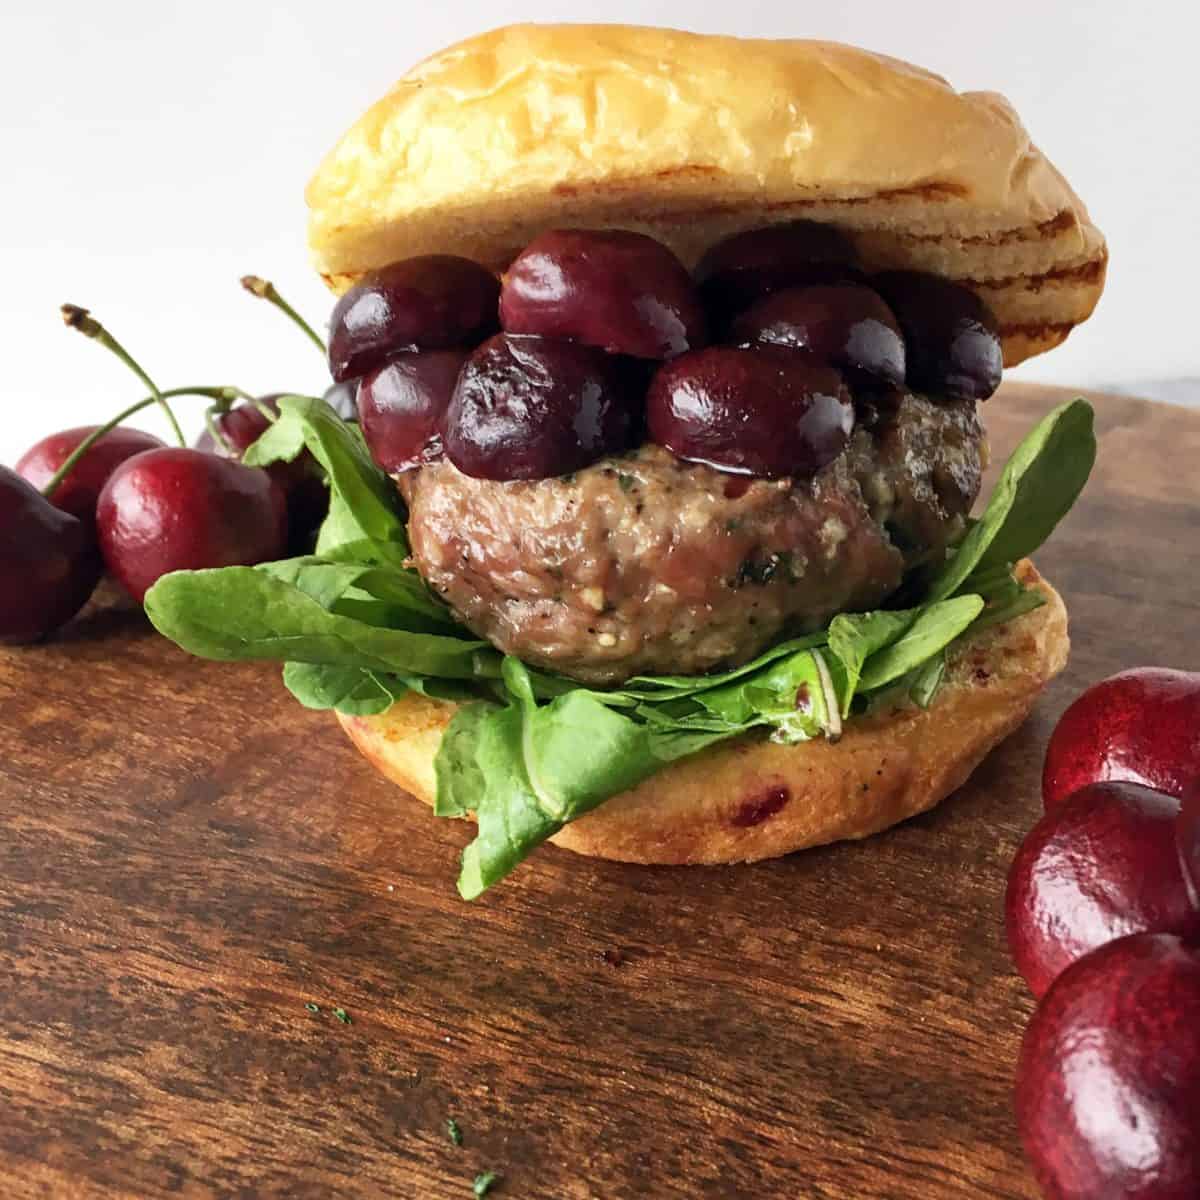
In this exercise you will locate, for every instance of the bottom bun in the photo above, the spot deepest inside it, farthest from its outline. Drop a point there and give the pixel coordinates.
(750, 798)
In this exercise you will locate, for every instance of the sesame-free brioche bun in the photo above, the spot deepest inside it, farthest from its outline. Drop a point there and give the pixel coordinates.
(751, 799)
(690, 138)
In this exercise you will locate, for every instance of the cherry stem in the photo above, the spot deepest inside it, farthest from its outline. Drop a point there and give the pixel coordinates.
(216, 433)
(224, 397)
(81, 319)
(265, 290)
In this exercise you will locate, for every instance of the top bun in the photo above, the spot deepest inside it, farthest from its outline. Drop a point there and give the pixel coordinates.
(689, 138)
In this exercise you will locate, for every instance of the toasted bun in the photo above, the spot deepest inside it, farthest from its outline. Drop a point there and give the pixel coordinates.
(753, 799)
(690, 138)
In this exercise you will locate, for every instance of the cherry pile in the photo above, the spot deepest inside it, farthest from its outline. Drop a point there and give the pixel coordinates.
(1103, 919)
(111, 497)
(595, 338)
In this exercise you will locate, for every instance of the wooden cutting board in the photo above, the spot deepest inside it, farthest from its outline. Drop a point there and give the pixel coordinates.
(188, 859)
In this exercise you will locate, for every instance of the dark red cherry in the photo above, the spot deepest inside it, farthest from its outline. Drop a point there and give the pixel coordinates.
(78, 491)
(743, 268)
(1102, 864)
(952, 339)
(1108, 1084)
(843, 324)
(401, 406)
(171, 509)
(432, 302)
(300, 481)
(530, 408)
(1142, 725)
(621, 291)
(761, 411)
(1187, 832)
(48, 562)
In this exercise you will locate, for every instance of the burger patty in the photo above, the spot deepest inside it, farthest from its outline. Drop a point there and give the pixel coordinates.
(645, 564)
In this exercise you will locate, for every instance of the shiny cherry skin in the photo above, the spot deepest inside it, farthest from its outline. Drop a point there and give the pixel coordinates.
(531, 408)
(433, 302)
(342, 398)
(173, 509)
(79, 490)
(49, 565)
(1142, 725)
(741, 269)
(300, 481)
(952, 339)
(1187, 832)
(1099, 866)
(1108, 1083)
(760, 411)
(842, 324)
(403, 404)
(621, 291)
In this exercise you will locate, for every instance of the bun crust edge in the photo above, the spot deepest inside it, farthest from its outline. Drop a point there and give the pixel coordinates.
(752, 799)
(690, 138)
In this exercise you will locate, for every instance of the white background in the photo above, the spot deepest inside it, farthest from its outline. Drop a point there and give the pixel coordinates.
(155, 151)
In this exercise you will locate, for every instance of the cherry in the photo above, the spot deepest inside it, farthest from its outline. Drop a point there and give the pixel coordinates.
(842, 324)
(1108, 1085)
(1101, 865)
(402, 406)
(1188, 835)
(1142, 725)
(48, 562)
(76, 493)
(621, 291)
(529, 408)
(434, 302)
(178, 509)
(952, 339)
(761, 411)
(736, 272)
(300, 481)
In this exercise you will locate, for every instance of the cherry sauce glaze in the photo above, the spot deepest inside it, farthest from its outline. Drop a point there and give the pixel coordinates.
(759, 364)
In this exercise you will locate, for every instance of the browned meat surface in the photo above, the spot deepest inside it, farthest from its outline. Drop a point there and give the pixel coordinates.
(644, 564)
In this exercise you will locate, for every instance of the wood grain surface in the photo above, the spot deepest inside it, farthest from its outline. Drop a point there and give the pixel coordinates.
(188, 859)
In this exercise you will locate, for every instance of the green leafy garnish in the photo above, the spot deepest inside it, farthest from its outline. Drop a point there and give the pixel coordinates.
(343, 1016)
(315, 1008)
(528, 751)
(484, 1182)
(454, 1132)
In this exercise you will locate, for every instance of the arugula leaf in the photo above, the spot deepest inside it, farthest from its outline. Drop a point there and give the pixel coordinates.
(364, 524)
(927, 679)
(853, 638)
(347, 689)
(240, 613)
(1036, 490)
(933, 628)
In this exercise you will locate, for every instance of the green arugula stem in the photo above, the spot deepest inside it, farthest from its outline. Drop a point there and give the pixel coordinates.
(79, 318)
(264, 289)
(224, 396)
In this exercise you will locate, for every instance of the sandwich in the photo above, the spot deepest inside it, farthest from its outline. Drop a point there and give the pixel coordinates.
(653, 537)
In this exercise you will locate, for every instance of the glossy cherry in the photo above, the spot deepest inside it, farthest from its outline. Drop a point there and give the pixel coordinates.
(402, 406)
(80, 487)
(176, 509)
(300, 481)
(1142, 725)
(48, 562)
(952, 339)
(432, 302)
(842, 324)
(1188, 836)
(1108, 1085)
(1101, 865)
(736, 272)
(621, 291)
(530, 408)
(761, 411)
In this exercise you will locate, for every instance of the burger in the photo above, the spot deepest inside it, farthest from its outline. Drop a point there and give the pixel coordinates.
(653, 535)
